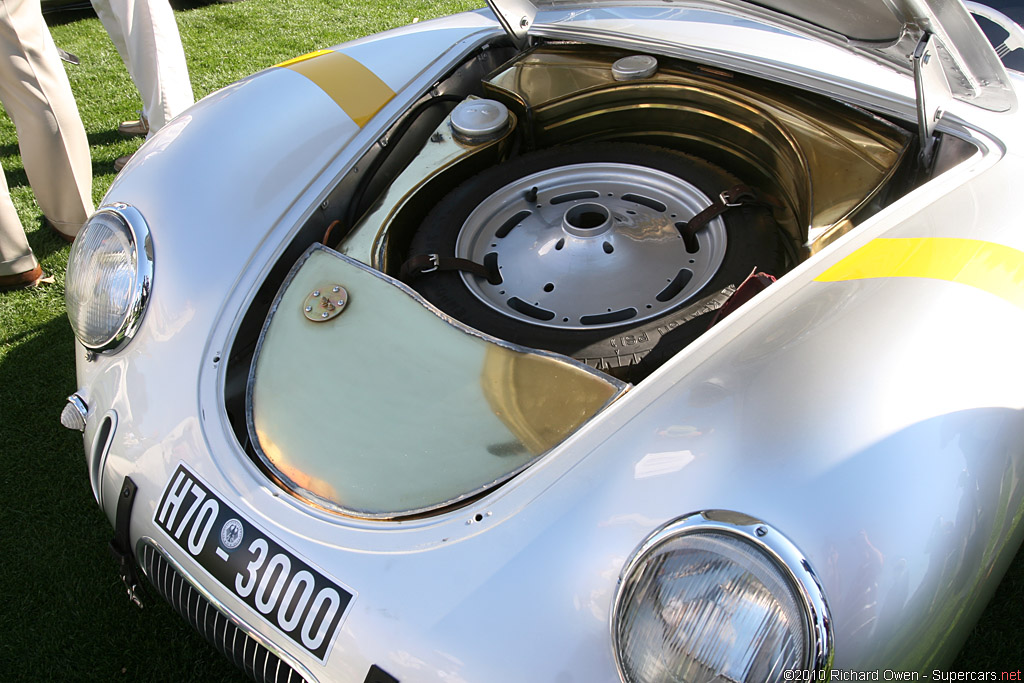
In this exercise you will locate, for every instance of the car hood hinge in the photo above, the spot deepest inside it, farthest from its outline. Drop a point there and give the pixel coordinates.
(516, 17)
(933, 92)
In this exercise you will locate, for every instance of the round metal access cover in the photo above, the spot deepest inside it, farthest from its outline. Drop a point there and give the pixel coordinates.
(588, 246)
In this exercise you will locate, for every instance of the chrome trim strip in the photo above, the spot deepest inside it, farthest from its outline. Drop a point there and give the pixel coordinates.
(776, 546)
(240, 623)
(140, 238)
(99, 451)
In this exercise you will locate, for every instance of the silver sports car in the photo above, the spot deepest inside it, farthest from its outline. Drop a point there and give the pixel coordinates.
(575, 341)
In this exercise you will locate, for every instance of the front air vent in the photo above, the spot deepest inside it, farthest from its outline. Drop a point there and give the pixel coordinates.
(224, 633)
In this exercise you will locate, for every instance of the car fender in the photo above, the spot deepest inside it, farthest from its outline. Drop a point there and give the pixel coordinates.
(856, 414)
(271, 146)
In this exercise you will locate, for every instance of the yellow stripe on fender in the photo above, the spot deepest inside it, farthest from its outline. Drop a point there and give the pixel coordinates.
(991, 267)
(355, 89)
(302, 58)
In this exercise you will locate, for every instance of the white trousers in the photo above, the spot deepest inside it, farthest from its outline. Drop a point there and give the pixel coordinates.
(146, 36)
(34, 90)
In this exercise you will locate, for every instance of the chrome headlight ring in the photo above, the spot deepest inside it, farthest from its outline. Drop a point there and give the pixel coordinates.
(746, 535)
(126, 289)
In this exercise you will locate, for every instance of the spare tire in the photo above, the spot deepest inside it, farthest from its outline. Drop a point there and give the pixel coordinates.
(585, 252)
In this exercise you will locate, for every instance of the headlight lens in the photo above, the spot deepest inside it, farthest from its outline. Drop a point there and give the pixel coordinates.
(108, 278)
(719, 597)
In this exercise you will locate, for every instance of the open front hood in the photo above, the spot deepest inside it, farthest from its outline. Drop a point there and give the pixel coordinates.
(900, 32)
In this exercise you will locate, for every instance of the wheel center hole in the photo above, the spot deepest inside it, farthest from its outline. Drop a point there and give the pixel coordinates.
(587, 219)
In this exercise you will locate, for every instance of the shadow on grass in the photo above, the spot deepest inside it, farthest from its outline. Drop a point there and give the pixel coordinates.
(95, 140)
(101, 139)
(185, 5)
(68, 14)
(14, 170)
(58, 13)
(15, 173)
(44, 243)
(65, 615)
(106, 138)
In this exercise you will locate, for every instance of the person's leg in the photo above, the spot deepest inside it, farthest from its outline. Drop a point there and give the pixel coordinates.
(157, 59)
(36, 93)
(114, 24)
(15, 255)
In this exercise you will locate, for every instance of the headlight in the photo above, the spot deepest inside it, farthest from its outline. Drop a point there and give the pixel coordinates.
(719, 597)
(110, 271)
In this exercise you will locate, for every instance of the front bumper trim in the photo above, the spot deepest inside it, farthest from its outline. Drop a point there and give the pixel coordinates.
(232, 635)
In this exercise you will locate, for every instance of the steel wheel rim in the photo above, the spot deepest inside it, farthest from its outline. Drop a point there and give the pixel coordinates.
(590, 246)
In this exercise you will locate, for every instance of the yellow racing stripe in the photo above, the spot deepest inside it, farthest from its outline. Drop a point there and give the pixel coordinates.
(356, 89)
(302, 58)
(991, 267)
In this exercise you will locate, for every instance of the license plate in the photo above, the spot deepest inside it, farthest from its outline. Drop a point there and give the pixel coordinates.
(289, 594)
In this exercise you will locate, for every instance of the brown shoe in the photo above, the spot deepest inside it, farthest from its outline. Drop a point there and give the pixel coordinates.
(120, 162)
(29, 278)
(63, 235)
(133, 128)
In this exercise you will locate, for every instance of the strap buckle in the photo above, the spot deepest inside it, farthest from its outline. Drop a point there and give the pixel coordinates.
(736, 196)
(423, 264)
(133, 593)
(435, 263)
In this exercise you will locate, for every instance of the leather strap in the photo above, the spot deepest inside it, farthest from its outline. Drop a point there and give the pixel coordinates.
(739, 195)
(424, 264)
(121, 544)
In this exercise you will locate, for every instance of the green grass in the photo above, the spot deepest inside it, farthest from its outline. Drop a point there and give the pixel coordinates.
(65, 615)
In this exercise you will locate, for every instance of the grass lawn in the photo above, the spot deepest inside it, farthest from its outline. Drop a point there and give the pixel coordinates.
(65, 615)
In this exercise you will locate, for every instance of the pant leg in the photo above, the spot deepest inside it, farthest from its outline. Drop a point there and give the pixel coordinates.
(15, 254)
(35, 91)
(156, 60)
(115, 28)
